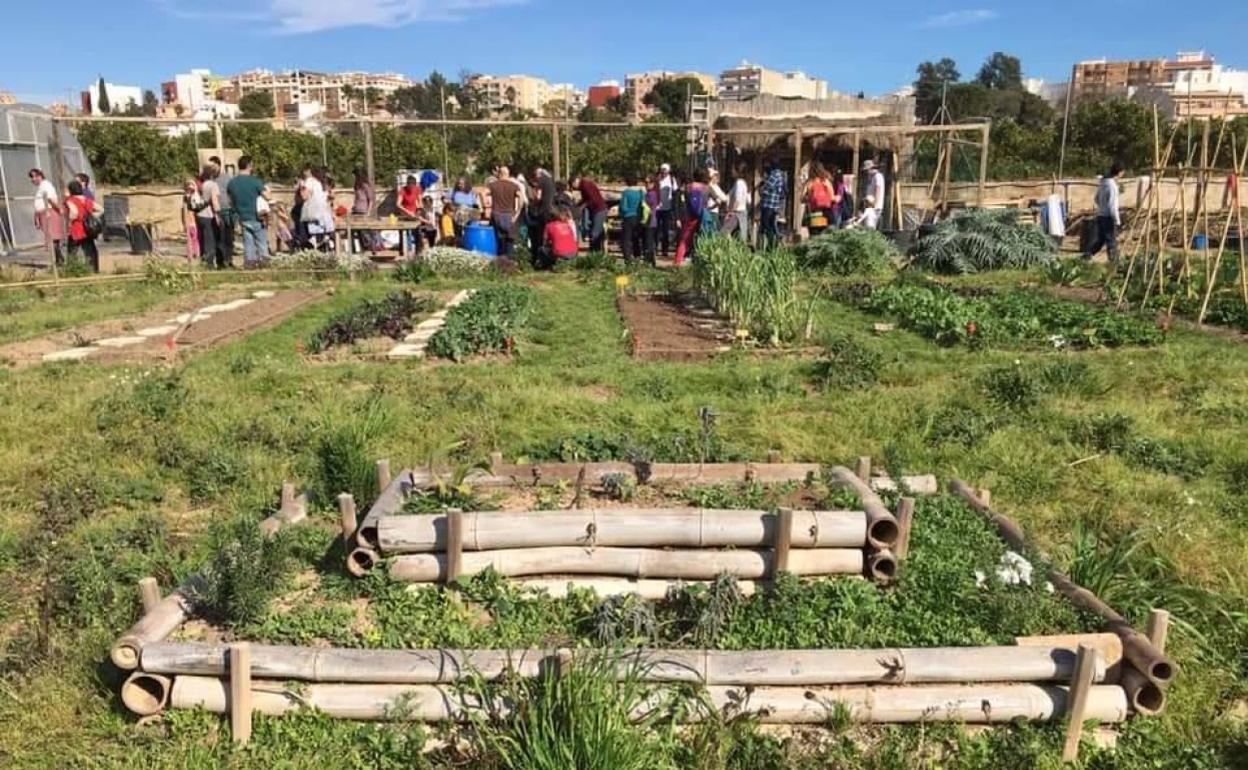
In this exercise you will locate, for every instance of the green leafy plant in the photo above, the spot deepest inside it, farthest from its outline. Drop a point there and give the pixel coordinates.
(856, 251)
(244, 573)
(847, 364)
(485, 323)
(983, 239)
(755, 292)
(392, 316)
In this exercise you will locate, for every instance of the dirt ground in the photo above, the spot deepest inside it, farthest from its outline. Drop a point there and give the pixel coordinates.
(667, 328)
(181, 338)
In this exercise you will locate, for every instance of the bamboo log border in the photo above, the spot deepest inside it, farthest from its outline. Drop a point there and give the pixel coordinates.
(1150, 662)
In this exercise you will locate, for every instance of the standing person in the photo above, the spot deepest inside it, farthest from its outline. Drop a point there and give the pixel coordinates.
(594, 203)
(48, 214)
(192, 204)
(696, 194)
(632, 204)
(362, 206)
(667, 186)
(837, 215)
(77, 209)
(716, 204)
(505, 205)
(559, 236)
(225, 240)
(875, 187)
(541, 212)
(1108, 214)
(737, 216)
(771, 198)
(312, 212)
(208, 218)
(820, 199)
(247, 190)
(88, 192)
(652, 221)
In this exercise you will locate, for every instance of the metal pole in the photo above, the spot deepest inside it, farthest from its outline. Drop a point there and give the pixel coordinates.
(446, 147)
(367, 129)
(58, 179)
(1061, 160)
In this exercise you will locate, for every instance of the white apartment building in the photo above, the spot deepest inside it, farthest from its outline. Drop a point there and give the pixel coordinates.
(119, 98)
(747, 81)
(524, 93)
(296, 87)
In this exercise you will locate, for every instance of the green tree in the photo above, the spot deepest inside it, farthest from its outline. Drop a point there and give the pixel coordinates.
(150, 103)
(130, 153)
(671, 97)
(257, 104)
(349, 94)
(929, 87)
(1001, 72)
(102, 91)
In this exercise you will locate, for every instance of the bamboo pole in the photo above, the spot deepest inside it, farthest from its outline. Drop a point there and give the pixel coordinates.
(1211, 278)
(389, 501)
(1158, 628)
(149, 593)
(650, 590)
(1077, 704)
(155, 625)
(965, 704)
(893, 666)
(782, 542)
(1145, 697)
(627, 562)
(623, 527)
(882, 529)
(346, 509)
(383, 475)
(240, 692)
(1159, 669)
(862, 468)
(361, 561)
(454, 545)
(1108, 649)
(882, 566)
(145, 693)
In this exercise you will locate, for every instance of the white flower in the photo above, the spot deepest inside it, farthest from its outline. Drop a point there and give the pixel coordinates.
(1014, 569)
(1058, 341)
(1048, 587)
(980, 578)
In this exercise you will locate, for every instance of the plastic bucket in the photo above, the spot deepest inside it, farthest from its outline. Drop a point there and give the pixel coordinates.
(479, 238)
(1200, 242)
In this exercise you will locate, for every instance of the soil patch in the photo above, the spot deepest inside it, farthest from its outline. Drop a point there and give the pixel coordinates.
(673, 328)
(179, 328)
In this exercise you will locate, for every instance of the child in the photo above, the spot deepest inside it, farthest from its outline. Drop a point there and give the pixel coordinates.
(194, 203)
(559, 237)
(447, 235)
(869, 218)
(285, 235)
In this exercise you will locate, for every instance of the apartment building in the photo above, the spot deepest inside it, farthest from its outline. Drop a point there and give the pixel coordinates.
(639, 86)
(119, 98)
(295, 87)
(526, 93)
(747, 81)
(602, 94)
(1190, 85)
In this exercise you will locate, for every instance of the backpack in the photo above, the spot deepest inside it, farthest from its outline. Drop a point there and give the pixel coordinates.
(695, 201)
(820, 195)
(93, 223)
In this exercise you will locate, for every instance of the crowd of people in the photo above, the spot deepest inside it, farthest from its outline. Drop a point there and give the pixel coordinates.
(660, 215)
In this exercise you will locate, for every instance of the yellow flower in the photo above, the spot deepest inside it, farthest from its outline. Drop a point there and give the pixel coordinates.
(621, 281)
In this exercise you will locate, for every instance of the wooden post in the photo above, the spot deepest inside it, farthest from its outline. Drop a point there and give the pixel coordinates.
(496, 462)
(1077, 700)
(985, 494)
(863, 468)
(58, 181)
(795, 223)
(905, 519)
(366, 128)
(557, 166)
(1158, 629)
(454, 544)
(383, 475)
(149, 593)
(240, 692)
(985, 141)
(782, 542)
(220, 136)
(857, 162)
(288, 497)
(346, 507)
(773, 456)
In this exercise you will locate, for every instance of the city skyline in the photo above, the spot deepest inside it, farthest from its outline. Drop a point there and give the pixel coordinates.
(414, 37)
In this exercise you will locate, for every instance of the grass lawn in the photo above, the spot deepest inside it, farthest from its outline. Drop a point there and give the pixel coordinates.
(1128, 466)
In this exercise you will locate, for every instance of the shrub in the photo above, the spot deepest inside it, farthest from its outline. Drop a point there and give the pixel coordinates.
(981, 240)
(245, 572)
(390, 316)
(847, 252)
(453, 262)
(961, 424)
(1013, 386)
(848, 364)
(486, 322)
(343, 460)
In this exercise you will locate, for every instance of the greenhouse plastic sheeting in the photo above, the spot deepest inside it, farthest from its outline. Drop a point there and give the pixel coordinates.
(25, 131)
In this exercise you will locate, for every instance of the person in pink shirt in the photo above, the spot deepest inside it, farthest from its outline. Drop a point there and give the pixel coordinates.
(559, 236)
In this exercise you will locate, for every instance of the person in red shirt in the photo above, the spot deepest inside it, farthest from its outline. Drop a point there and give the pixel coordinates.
(78, 208)
(559, 237)
(408, 204)
(596, 205)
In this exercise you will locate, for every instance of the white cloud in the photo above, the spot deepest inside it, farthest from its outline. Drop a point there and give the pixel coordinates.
(307, 16)
(962, 18)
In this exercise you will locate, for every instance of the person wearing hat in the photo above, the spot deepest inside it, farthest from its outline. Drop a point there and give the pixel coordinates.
(875, 186)
(665, 213)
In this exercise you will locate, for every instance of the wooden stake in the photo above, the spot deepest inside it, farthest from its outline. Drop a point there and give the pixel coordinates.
(240, 692)
(383, 475)
(366, 127)
(773, 456)
(983, 162)
(862, 469)
(149, 593)
(1158, 628)
(496, 462)
(454, 545)
(288, 497)
(346, 507)
(985, 495)
(782, 543)
(1077, 703)
(905, 520)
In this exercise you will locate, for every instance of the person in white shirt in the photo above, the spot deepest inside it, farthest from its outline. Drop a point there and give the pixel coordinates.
(737, 217)
(48, 214)
(666, 214)
(875, 186)
(717, 199)
(1108, 215)
(869, 218)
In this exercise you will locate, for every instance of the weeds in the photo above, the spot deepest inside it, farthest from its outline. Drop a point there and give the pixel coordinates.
(847, 364)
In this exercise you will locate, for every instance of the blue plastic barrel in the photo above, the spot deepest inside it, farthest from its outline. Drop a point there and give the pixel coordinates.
(1199, 242)
(479, 237)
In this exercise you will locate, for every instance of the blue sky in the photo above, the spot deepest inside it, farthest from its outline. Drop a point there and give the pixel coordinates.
(872, 46)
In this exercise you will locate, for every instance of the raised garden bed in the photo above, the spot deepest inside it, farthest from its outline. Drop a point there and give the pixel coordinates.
(664, 327)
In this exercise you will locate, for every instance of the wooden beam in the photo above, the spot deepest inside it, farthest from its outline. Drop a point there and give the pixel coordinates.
(454, 545)
(862, 469)
(983, 162)
(383, 475)
(1157, 629)
(1077, 700)
(795, 222)
(556, 168)
(366, 128)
